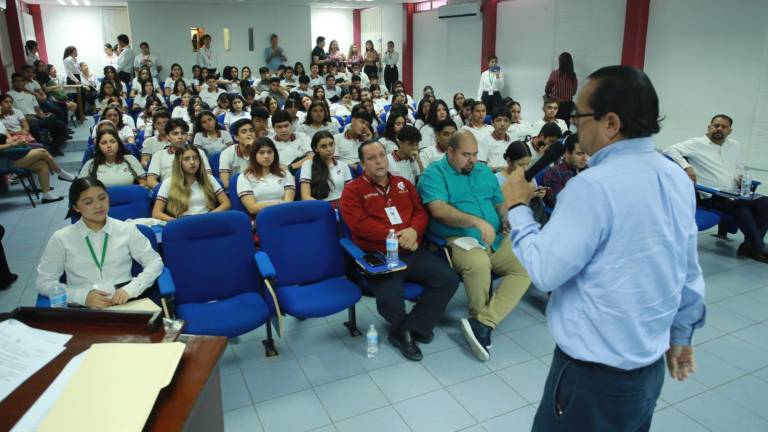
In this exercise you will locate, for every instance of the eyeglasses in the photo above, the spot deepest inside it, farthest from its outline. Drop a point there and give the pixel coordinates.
(576, 115)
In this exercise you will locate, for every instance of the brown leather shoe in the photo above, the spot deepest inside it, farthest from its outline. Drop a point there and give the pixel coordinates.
(745, 250)
(760, 256)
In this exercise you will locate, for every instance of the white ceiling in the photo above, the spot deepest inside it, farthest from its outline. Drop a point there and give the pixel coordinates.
(329, 3)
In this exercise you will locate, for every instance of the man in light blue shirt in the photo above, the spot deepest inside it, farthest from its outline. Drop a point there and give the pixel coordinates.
(274, 56)
(626, 287)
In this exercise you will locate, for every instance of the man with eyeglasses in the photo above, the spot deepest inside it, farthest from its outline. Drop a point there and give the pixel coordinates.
(626, 287)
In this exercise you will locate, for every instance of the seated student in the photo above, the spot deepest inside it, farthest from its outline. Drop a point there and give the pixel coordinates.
(37, 160)
(292, 107)
(14, 122)
(476, 123)
(97, 253)
(179, 89)
(342, 108)
(249, 94)
(379, 101)
(271, 105)
(262, 85)
(365, 206)
(157, 142)
(399, 87)
(279, 94)
(234, 159)
(519, 129)
(717, 161)
(222, 104)
(395, 123)
(190, 112)
(437, 113)
(491, 147)
(322, 177)
(398, 104)
(331, 90)
(315, 79)
(358, 132)
(28, 105)
(231, 79)
(176, 75)
(289, 81)
(143, 76)
(107, 90)
(211, 93)
(264, 182)
(236, 111)
(210, 135)
(548, 135)
(304, 89)
(111, 162)
(574, 161)
(115, 116)
(318, 119)
(140, 100)
(465, 200)
(422, 113)
(405, 162)
(110, 74)
(444, 130)
(190, 190)
(550, 108)
(367, 105)
(364, 79)
(260, 120)
(294, 148)
(144, 121)
(161, 166)
(518, 155)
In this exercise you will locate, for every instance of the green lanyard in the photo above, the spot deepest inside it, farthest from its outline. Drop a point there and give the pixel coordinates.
(99, 264)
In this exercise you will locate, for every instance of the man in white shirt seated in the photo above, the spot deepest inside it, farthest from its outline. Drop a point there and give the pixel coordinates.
(550, 108)
(332, 91)
(315, 79)
(405, 162)
(444, 130)
(348, 142)
(292, 148)
(289, 81)
(716, 161)
(210, 94)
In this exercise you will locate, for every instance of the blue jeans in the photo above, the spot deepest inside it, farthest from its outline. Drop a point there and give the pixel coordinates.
(584, 396)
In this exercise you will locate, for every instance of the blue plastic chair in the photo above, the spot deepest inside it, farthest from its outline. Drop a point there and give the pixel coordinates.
(309, 281)
(381, 128)
(211, 276)
(237, 205)
(387, 107)
(213, 161)
(487, 120)
(140, 139)
(220, 119)
(383, 117)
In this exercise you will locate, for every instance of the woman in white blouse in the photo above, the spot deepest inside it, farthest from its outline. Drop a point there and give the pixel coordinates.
(111, 162)
(343, 108)
(236, 111)
(210, 135)
(71, 65)
(110, 56)
(491, 84)
(264, 183)
(318, 118)
(115, 116)
(190, 190)
(96, 253)
(323, 177)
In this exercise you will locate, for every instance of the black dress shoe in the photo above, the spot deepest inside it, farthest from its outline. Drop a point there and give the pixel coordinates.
(404, 342)
(66, 180)
(48, 201)
(10, 282)
(422, 339)
(745, 250)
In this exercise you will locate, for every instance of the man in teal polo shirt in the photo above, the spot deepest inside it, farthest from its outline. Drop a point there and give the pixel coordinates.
(466, 203)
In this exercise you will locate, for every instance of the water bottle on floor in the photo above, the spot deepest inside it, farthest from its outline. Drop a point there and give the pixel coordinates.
(372, 339)
(58, 297)
(392, 245)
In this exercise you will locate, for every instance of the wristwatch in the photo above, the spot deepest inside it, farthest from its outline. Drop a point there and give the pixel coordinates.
(516, 205)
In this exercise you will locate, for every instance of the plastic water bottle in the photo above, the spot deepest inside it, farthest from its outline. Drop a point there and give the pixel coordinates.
(372, 338)
(58, 297)
(392, 245)
(746, 186)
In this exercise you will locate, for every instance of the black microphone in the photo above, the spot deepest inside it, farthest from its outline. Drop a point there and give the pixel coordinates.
(552, 154)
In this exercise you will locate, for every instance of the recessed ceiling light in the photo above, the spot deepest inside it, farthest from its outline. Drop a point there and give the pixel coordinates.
(87, 2)
(74, 2)
(62, 2)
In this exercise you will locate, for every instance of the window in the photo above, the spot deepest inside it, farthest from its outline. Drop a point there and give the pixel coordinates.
(430, 5)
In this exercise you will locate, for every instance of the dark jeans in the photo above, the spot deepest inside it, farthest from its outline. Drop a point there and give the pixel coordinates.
(425, 268)
(372, 71)
(583, 396)
(125, 77)
(751, 217)
(5, 271)
(564, 112)
(57, 129)
(391, 74)
(491, 101)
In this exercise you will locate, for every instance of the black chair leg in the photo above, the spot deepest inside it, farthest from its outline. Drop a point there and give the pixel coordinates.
(28, 189)
(269, 342)
(351, 325)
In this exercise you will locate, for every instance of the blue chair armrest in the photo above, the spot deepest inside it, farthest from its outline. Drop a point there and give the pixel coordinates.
(755, 184)
(707, 189)
(357, 255)
(165, 283)
(435, 240)
(351, 248)
(266, 268)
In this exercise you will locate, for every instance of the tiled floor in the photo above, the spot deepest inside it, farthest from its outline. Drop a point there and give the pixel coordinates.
(322, 380)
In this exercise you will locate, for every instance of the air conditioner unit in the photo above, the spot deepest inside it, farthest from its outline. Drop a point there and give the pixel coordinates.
(459, 10)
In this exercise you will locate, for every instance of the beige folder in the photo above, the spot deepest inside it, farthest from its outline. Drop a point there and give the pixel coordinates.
(140, 305)
(115, 387)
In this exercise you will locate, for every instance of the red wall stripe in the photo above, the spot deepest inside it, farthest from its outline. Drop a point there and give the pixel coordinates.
(37, 19)
(14, 34)
(356, 28)
(4, 83)
(635, 32)
(489, 31)
(407, 57)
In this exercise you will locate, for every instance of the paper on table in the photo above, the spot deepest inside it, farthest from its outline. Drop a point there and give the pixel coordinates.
(24, 351)
(128, 376)
(32, 418)
(141, 305)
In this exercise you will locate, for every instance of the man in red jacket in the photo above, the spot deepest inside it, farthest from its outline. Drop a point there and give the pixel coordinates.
(373, 204)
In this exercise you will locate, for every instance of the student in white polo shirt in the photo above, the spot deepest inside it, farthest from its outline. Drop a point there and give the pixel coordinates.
(234, 159)
(438, 112)
(294, 148)
(519, 129)
(550, 108)
(190, 190)
(323, 177)
(358, 132)
(160, 140)
(318, 118)
(210, 135)
(476, 123)
(491, 147)
(111, 162)
(161, 166)
(236, 111)
(405, 162)
(265, 182)
(210, 94)
(444, 130)
(395, 122)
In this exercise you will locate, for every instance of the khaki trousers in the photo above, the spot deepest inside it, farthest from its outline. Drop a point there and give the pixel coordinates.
(475, 267)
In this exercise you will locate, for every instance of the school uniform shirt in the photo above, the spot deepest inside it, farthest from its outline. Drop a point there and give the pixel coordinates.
(430, 154)
(71, 68)
(493, 150)
(111, 60)
(32, 58)
(389, 145)
(136, 85)
(340, 176)
(170, 82)
(519, 131)
(24, 102)
(290, 85)
(405, 168)
(340, 110)
(13, 121)
(409, 119)
(408, 99)
(211, 98)
(316, 81)
(128, 121)
(233, 87)
(147, 60)
(489, 83)
(141, 101)
(198, 204)
(232, 160)
(125, 133)
(296, 147)
(125, 60)
(207, 57)
(152, 145)
(479, 133)
(116, 174)
(33, 86)
(213, 145)
(67, 252)
(536, 128)
(146, 126)
(173, 98)
(346, 148)
(263, 189)
(162, 163)
(310, 131)
(230, 117)
(378, 104)
(90, 81)
(3, 130)
(428, 138)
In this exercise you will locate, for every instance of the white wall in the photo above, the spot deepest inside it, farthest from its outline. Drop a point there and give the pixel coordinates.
(446, 55)
(531, 34)
(165, 26)
(392, 29)
(717, 64)
(333, 24)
